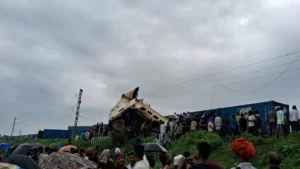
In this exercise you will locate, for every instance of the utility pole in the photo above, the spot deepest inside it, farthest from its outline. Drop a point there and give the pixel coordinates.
(13, 127)
(77, 112)
(20, 134)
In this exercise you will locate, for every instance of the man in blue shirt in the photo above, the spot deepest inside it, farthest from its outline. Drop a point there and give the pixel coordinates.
(233, 126)
(58, 145)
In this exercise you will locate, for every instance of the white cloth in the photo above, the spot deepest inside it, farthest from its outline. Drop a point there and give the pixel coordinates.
(129, 166)
(218, 123)
(245, 165)
(294, 115)
(178, 158)
(280, 117)
(251, 122)
(193, 125)
(117, 150)
(143, 164)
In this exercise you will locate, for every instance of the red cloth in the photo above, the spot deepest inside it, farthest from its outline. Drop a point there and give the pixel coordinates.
(214, 164)
(243, 148)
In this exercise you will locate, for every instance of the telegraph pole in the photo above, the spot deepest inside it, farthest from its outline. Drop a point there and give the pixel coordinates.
(13, 127)
(77, 112)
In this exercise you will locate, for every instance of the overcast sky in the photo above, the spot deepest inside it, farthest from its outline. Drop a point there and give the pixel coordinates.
(51, 49)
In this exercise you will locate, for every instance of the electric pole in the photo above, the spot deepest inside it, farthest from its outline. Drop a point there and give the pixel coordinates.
(13, 127)
(77, 112)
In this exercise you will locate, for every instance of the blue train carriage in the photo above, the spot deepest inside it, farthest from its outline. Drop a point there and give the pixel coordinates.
(263, 108)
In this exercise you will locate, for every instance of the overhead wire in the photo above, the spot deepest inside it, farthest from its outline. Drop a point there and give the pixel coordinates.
(221, 72)
(227, 77)
(272, 81)
(225, 85)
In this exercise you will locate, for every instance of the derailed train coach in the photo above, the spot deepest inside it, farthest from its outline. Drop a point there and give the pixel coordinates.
(130, 114)
(263, 108)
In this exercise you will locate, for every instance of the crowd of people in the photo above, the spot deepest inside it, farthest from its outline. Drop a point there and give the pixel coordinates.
(98, 130)
(249, 122)
(139, 159)
(278, 123)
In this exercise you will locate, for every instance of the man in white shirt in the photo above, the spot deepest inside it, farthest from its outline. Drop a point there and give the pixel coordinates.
(251, 123)
(280, 122)
(218, 123)
(294, 118)
(141, 161)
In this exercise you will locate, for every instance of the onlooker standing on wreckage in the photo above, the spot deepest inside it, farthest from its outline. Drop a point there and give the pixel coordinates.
(294, 118)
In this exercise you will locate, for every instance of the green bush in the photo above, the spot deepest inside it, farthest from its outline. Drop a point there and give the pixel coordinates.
(188, 142)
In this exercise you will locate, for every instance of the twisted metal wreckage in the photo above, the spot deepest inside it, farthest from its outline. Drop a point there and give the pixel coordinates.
(129, 116)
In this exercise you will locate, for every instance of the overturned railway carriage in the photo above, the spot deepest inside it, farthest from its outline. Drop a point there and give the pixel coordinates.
(127, 118)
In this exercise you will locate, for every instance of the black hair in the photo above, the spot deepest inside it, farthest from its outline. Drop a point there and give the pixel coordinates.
(242, 115)
(72, 150)
(295, 107)
(163, 158)
(119, 155)
(274, 158)
(187, 154)
(204, 150)
(130, 153)
(139, 151)
(151, 161)
(47, 149)
(41, 149)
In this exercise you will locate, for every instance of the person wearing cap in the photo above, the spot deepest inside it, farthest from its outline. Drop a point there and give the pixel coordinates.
(244, 151)
(141, 162)
(274, 160)
(177, 159)
(131, 160)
